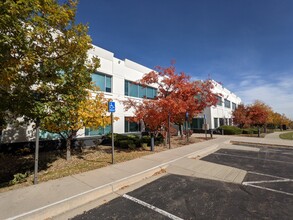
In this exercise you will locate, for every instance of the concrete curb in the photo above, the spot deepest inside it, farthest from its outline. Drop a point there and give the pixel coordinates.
(259, 144)
(75, 201)
(204, 152)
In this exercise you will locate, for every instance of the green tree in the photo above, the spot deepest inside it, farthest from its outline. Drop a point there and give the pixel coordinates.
(43, 58)
(66, 121)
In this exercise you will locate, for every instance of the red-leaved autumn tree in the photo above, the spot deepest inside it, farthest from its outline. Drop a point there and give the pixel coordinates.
(256, 114)
(240, 116)
(177, 94)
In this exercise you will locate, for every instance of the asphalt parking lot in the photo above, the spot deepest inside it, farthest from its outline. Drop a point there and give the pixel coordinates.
(266, 192)
(268, 169)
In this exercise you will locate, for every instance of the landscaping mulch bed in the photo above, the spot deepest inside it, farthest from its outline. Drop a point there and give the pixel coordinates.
(16, 171)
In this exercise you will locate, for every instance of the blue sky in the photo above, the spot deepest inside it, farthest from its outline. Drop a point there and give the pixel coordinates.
(245, 44)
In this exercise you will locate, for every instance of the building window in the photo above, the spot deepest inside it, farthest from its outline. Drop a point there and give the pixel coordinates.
(135, 90)
(142, 92)
(219, 100)
(97, 131)
(48, 135)
(222, 121)
(104, 82)
(234, 106)
(131, 126)
(227, 103)
(230, 121)
(197, 123)
(216, 122)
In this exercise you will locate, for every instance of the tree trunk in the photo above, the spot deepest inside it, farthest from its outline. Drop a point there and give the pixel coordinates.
(68, 145)
(152, 142)
(180, 130)
(165, 138)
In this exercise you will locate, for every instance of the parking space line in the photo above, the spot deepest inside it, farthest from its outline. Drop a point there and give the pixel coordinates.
(263, 174)
(278, 179)
(268, 181)
(162, 212)
(269, 189)
(254, 158)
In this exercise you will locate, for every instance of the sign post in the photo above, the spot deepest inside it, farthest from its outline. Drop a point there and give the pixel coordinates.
(111, 109)
(206, 127)
(187, 127)
(37, 152)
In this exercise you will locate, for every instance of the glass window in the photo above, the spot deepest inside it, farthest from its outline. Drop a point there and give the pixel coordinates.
(97, 131)
(142, 92)
(48, 135)
(108, 84)
(227, 103)
(131, 126)
(230, 121)
(234, 106)
(99, 81)
(221, 121)
(136, 90)
(103, 81)
(216, 122)
(150, 93)
(126, 88)
(197, 123)
(133, 90)
(219, 100)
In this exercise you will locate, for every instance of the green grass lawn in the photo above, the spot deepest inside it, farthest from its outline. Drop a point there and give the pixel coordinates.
(288, 136)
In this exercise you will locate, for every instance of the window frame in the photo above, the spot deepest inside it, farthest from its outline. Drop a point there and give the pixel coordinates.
(227, 103)
(139, 88)
(219, 102)
(107, 79)
(127, 125)
(88, 131)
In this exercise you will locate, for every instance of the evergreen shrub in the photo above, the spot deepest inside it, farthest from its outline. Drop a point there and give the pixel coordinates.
(230, 130)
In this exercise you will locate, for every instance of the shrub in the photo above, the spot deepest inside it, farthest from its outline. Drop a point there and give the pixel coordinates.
(132, 146)
(249, 131)
(159, 139)
(146, 139)
(124, 144)
(123, 141)
(230, 130)
(19, 178)
(132, 141)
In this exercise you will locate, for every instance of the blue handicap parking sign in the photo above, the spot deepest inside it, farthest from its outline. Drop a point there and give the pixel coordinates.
(111, 107)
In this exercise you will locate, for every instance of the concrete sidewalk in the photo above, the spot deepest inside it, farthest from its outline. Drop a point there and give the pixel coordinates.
(57, 196)
(276, 135)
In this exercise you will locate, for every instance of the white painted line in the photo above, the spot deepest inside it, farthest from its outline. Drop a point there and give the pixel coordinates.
(262, 174)
(254, 158)
(108, 184)
(147, 205)
(268, 181)
(269, 189)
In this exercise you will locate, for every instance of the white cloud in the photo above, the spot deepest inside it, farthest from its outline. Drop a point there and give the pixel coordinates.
(278, 94)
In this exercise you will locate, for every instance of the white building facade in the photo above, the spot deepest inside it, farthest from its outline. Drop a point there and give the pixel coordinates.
(116, 78)
(221, 114)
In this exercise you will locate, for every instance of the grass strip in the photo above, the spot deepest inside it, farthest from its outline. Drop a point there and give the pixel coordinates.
(287, 136)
